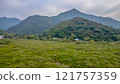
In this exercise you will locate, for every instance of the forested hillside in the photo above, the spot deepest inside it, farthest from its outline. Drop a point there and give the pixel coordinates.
(84, 30)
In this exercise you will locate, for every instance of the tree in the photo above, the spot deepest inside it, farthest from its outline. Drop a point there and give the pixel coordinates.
(72, 37)
(49, 38)
(86, 38)
(31, 37)
(92, 41)
(64, 39)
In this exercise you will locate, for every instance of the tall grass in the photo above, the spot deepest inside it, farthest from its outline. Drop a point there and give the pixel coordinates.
(25, 53)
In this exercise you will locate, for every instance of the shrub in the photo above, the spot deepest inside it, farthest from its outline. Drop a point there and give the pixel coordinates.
(4, 41)
(31, 37)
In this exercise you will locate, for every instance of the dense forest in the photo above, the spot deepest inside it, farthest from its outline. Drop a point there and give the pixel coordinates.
(83, 29)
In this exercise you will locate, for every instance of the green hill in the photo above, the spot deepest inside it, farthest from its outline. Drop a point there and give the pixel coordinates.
(84, 30)
(37, 24)
(32, 25)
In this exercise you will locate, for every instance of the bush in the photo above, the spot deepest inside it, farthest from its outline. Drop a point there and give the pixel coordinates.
(5, 41)
(31, 37)
(92, 41)
(78, 42)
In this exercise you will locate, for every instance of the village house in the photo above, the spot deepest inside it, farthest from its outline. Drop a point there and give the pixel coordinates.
(1, 36)
(54, 38)
(77, 39)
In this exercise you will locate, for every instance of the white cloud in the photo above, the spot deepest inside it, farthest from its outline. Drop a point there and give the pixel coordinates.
(25, 8)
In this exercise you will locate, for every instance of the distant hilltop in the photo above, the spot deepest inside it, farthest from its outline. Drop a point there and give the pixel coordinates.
(6, 23)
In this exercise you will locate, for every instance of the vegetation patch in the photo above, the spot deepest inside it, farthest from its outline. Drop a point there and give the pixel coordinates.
(29, 53)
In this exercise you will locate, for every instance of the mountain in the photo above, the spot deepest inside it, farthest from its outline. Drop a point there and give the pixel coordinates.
(83, 29)
(37, 24)
(75, 13)
(6, 23)
(32, 25)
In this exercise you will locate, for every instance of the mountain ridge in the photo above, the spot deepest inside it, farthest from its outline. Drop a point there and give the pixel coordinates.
(31, 25)
(39, 23)
(6, 22)
(99, 19)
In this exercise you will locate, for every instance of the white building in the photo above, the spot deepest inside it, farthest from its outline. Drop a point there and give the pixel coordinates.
(1, 36)
(54, 38)
(76, 39)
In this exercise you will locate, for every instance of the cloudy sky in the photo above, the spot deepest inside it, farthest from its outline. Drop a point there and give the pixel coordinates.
(24, 8)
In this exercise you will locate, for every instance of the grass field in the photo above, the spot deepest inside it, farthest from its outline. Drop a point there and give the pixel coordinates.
(23, 53)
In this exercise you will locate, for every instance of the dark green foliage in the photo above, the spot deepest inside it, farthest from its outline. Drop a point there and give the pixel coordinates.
(84, 30)
(1, 32)
(31, 37)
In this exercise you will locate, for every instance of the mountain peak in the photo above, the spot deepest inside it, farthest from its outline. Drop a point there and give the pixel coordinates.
(74, 10)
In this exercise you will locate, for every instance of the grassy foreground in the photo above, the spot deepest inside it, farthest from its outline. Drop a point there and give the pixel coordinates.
(44, 54)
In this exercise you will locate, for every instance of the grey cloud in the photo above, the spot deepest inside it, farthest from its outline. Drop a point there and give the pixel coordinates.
(24, 8)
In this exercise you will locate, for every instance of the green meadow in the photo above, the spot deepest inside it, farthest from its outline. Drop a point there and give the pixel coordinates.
(28, 53)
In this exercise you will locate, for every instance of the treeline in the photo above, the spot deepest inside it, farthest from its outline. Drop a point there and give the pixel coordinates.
(64, 39)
